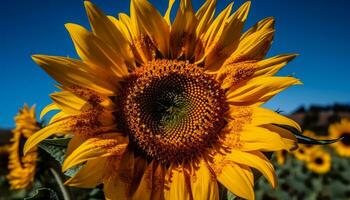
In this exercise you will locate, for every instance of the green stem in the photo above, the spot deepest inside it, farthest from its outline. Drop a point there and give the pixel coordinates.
(63, 188)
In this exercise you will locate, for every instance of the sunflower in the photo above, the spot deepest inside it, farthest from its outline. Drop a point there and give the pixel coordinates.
(319, 161)
(22, 167)
(341, 129)
(168, 109)
(281, 156)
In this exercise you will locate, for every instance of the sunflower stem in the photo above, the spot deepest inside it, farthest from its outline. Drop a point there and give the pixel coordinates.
(64, 190)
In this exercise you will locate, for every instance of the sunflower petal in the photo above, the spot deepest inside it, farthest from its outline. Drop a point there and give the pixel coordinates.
(90, 175)
(149, 20)
(205, 15)
(254, 46)
(74, 143)
(262, 116)
(93, 50)
(168, 12)
(227, 39)
(267, 23)
(68, 102)
(42, 134)
(270, 66)
(260, 90)
(96, 147)
(106, 31)
(256, 160)
(58, 116)
(117, 185)
(203, 184)
(176, 187)
(234, 178)
(69, 72)
(183, 30)
(47, 109)
(158, 183)
(144, 189)
(258, 138)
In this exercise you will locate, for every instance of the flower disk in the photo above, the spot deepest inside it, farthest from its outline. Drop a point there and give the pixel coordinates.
(173, 111)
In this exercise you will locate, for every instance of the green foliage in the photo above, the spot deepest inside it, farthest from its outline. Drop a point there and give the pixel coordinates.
(43, 193)
(295, 181)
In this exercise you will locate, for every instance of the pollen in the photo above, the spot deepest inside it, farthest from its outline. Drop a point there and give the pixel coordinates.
(172, 110)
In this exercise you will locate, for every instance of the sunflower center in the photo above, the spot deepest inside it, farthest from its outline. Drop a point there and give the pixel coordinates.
(319, 161)
(346, 139)
(172, 110)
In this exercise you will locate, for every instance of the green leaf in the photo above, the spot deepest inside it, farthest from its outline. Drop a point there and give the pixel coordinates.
(302, 139)
(56, 148)
(43, 193)
(231, 196)
(59, 142)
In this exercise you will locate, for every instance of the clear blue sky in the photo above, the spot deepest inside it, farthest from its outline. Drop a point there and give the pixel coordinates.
(316, 29)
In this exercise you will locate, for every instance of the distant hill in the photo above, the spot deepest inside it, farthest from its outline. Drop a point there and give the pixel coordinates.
(318, 118)
(5, 136)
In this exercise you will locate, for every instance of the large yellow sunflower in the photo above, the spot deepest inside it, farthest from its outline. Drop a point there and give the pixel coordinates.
(341, 129)
(22, 167)
(169, 109)
(319, 161)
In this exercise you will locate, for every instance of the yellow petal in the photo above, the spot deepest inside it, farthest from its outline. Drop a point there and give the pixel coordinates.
(287, 136)
(158, 183)
(254, 46)
(256, 160)
(58, 116)
(183, 31)
(122, 25)
(204, 184)
(205, 15)
(263, 116)
(96, 147)
(260, 90)
(176, 187)
(267, 23)
(90, 175)
(168, 12)
(93, 50)
(144, 189)
(234, 177)
(212, 35)
(68, 102)
(228, 39)
(106, 31)
(150, 21)
(117, 185)
(69, 72)
(258, 138)
(270, 66)
(47, 109)
(42, 134)
(74, 143)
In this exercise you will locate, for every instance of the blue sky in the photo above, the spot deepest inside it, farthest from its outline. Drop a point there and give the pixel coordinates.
(316, 29)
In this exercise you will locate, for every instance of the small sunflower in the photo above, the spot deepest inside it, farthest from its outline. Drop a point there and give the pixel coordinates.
(281, 156)
(303, 151)
(341, 129)
(319, 161)
(22, 167)
(163, 109)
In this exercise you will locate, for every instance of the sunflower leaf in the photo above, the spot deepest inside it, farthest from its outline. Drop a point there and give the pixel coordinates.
(55, 147)
(302, 139)
(43, 193)
(60, 142)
